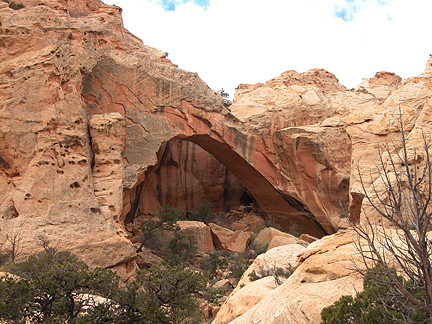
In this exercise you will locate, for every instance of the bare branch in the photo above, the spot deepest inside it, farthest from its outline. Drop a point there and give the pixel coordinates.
(400, 198)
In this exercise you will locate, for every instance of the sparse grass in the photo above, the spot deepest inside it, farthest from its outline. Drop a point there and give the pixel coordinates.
(274, 271)
(272, 223)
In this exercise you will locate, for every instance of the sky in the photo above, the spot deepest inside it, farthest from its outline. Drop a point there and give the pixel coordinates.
(230, 42)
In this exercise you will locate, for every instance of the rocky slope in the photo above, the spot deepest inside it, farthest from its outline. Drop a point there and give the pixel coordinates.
(324, 272)
(87, 113)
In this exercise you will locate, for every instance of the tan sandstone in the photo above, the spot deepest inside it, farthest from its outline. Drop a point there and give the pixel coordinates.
(267, 235)
(200, 233)
(323, 276)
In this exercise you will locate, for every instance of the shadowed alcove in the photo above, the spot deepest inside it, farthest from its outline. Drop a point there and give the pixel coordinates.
(197, 170)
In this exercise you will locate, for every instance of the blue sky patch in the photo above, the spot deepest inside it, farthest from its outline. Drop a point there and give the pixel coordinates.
(347, 11)
(170, 5)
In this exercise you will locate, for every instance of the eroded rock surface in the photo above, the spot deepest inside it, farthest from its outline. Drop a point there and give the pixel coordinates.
(225, 239)
(324, 274)
(249, 293)
(294, 143)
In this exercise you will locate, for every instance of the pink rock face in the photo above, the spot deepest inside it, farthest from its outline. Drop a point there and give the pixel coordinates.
(187, 178)
(225, 239)
(74, 176)
(200, 234)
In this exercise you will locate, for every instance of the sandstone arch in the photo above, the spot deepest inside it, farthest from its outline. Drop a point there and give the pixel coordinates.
(65, 163)
(158, 106)
(286, 210)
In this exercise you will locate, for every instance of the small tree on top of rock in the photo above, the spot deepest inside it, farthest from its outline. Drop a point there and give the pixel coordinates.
(224, 95)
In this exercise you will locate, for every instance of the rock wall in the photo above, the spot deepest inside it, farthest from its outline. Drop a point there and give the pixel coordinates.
(187, 178)
(85, 108)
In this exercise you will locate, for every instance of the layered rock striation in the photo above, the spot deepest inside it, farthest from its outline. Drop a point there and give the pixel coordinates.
(87, 113)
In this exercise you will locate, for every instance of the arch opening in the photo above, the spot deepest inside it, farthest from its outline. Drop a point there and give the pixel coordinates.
(196, 170)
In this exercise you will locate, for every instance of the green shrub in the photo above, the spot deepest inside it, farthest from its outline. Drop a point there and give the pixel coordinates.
(213, 262)
(274, 271)
(181, 249)
(3, 259)
(160, 294)
(151, 229)
(232, 263)
(54, 287)
(203, 214)
(224, 95)
(260, 248)
(212, 294)
(57, 287)
(369, 306)
(15, 297)
(238, 264)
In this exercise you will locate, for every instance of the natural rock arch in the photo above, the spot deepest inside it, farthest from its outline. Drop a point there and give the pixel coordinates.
(164, 102)
(286, 210)
(86, 107)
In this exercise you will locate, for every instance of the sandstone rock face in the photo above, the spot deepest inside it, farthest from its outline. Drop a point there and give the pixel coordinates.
(378, 126)
(249, 293)
(295, 149)
(323, 276)
(381, 85)
(267, 235)
(47, 177)
(325, 271)
(200, 233)
(87, 112)
(87, 65)
(244, 299)
(108, 133)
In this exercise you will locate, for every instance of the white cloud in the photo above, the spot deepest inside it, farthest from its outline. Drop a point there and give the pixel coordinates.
(229, 42)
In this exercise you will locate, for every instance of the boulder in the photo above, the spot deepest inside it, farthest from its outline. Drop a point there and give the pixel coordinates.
(237, 226)
(146, 258)
(225, 239)
(223, 284)
(281, 257)
(244, 299)
(268, 234)
(249, 223)
(281, 240)
(307, 238)
(200, 233)
(325, 269)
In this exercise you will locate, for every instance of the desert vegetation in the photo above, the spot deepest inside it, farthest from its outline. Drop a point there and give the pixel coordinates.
(57, 287)
(395, 244)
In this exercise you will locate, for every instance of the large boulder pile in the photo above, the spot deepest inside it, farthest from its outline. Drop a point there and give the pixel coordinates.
(324, 271)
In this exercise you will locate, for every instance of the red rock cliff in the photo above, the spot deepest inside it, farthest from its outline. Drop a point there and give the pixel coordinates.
(85, 108)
